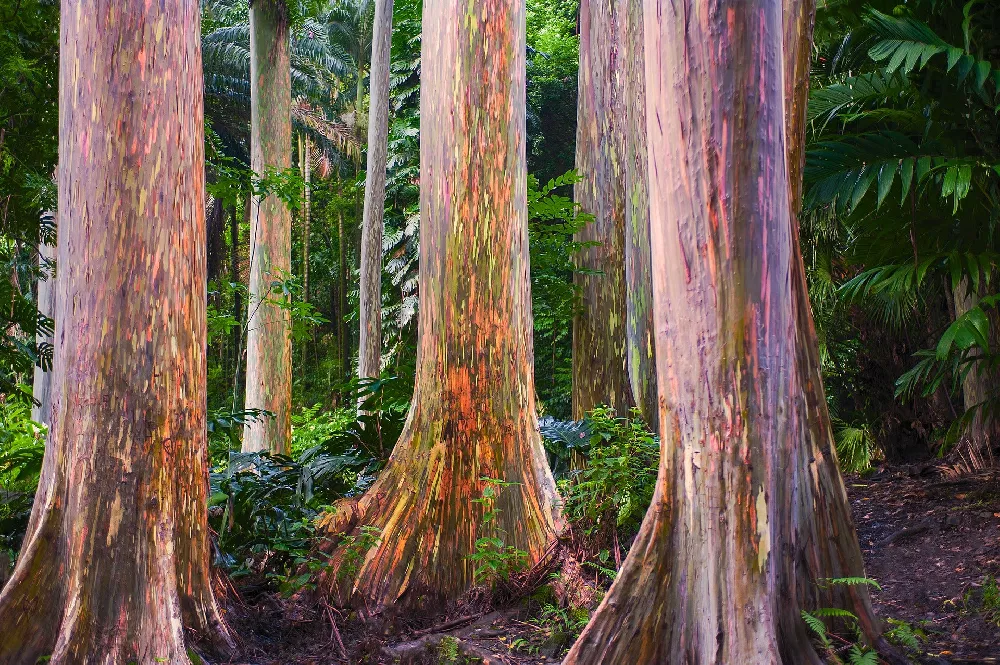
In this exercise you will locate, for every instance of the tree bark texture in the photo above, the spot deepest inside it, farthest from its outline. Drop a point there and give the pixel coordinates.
(473, 413)
(750, 511)
(600, 367)
(975, 447)
(370, 340)
(42, 384)
(306, 212)
(115, 562)
(269, 342)
(639, 331)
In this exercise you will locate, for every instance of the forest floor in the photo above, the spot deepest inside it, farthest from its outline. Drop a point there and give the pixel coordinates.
(932, 543)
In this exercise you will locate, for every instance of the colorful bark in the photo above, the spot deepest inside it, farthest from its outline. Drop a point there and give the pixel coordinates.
(750, 511)
(473, 412)
(115, 560)
(600, 364)
(41, 389)
(269, 342)
(370, 309)
(638, 268)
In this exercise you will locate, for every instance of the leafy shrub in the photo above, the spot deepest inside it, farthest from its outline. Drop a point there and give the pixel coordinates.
(610, 494)
(263, 506)
(22, 446)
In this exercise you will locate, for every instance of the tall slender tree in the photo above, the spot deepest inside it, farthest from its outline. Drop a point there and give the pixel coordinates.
(42, 384)
(370, 340)
(473, 413)
(600, 366)
(750, 512)
(269, 342)
(638, 268)
(115, 561)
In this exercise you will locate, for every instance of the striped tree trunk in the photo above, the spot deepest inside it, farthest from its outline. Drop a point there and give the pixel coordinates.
(115, 562)
(473, 412)
(370, 306)
(600, 367)
(750, 511)
(269, 342)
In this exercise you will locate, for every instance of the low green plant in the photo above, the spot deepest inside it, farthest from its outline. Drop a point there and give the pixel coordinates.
(354, 548)
(609, 495)
(22, 446)
(493, 559)
(857, 653)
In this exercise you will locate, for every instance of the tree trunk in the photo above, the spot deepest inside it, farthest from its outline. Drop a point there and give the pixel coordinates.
(750, 511)
(215, 245)
(975, 447)
(345, 344)
(269, 342)
(306, 215)
(638, 268)
(473, 409)
(600, 367)
(42, 388)
(370, 340)
(234, 277)
(115, 561)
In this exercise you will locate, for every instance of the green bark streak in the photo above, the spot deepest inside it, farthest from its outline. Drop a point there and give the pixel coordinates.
(638, 268)
(269, 343)
(115, 561)
(750, 510)
(473, 411)
(600, 365)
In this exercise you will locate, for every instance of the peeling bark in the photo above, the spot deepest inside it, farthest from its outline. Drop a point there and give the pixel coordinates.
(115, 560)
(750, 510)
(638, 267)
(370, 310)
(600, 367)
(473, 412)
(269, 342)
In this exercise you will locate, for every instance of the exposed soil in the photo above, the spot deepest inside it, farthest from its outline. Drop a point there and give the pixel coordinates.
(930, 541)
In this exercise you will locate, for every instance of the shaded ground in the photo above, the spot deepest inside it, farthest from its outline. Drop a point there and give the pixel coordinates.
(933, 544)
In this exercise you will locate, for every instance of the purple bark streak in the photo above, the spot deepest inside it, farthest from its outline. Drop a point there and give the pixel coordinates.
(115, 560)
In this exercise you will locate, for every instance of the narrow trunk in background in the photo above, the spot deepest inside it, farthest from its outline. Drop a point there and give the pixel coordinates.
(236, 340)
(342, 340)
(729, 552)
(115, 561)
(269, 342)
(370, 340)
(638, 270)
(306, 214)
(473, 409)
(981, 436)
(600, 367)
(42, 385)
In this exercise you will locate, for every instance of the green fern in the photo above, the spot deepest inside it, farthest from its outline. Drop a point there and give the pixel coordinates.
(859, 656)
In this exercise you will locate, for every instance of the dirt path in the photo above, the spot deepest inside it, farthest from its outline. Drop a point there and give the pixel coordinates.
(932, 543)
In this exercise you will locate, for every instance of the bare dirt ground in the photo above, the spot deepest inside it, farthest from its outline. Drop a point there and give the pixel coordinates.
(932, 543)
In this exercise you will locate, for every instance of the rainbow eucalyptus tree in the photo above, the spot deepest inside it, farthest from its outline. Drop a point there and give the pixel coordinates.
(370, 306)
(638, 269)
(269, 342)
(473, 413)
(750, 513)
(115, 562)
(600, 367)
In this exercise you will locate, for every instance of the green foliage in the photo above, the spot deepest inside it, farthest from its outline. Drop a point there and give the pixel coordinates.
(494, 560)
(354, 548)
(905, 635)
(612, 491)
(554, 219)
(21, 450)
(856, 447)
